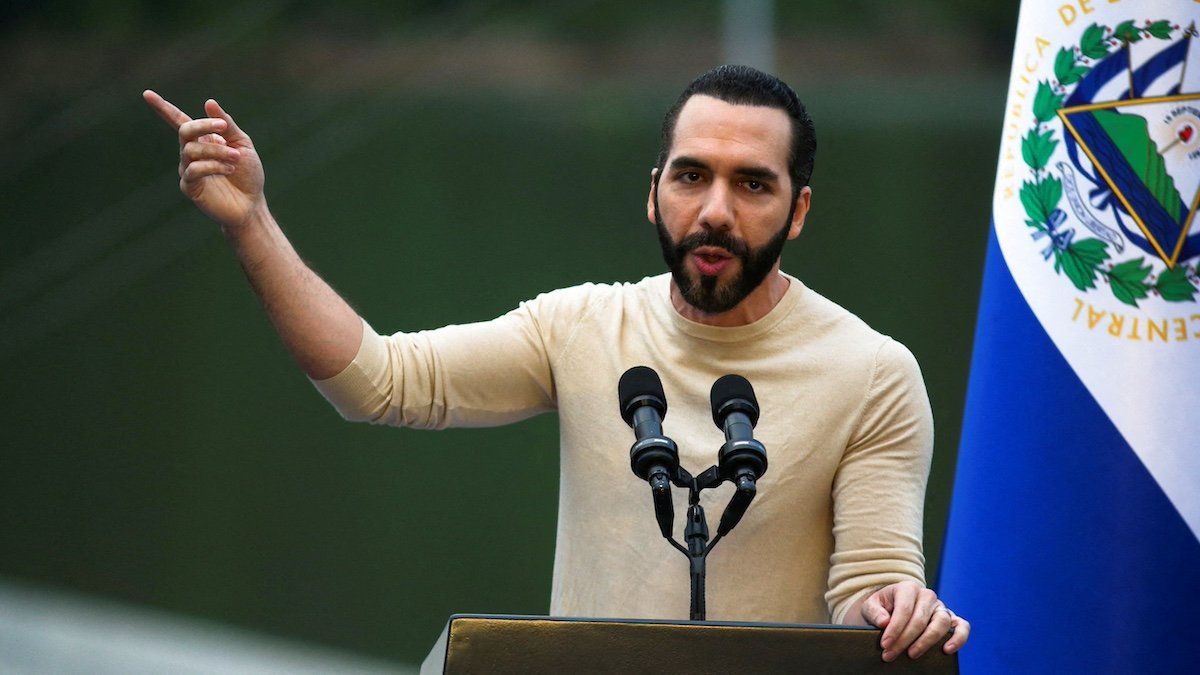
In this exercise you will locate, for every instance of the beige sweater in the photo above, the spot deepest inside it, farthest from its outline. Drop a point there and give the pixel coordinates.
(845, 420)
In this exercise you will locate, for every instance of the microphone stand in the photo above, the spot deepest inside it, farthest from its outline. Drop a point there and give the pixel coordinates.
(695, 533)
(696, 536)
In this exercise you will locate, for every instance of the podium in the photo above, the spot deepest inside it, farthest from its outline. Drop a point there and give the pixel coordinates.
(478, 643)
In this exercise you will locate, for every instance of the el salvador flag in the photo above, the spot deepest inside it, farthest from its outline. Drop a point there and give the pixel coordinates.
(1073, 543)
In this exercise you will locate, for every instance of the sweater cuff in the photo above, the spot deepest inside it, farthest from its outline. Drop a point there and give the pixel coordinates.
(356, 387)
(839, 614)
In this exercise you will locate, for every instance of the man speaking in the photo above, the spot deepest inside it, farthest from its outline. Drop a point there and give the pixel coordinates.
(835, 534)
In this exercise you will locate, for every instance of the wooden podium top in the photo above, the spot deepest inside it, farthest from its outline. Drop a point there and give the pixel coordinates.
(475, 643)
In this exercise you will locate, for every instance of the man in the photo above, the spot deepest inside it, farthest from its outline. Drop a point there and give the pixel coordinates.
(835, 533)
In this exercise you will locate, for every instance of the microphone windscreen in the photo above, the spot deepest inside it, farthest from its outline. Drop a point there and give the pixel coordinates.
(640, 382)
(733, 388)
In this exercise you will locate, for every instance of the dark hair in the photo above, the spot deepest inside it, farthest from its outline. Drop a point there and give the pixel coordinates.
(743, 85)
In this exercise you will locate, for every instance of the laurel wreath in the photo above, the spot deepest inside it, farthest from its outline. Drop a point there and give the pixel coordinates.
(1084, 261)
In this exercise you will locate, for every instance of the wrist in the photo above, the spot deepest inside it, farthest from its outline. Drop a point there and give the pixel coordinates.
(855, 616)
(257, 219)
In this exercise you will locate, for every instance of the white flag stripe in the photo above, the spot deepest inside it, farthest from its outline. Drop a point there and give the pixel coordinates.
(1139, 356)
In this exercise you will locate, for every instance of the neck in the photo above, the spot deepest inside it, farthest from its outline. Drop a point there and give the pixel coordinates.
(753, 307)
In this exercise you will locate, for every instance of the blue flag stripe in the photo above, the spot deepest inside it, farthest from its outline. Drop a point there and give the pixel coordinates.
(1061, 548)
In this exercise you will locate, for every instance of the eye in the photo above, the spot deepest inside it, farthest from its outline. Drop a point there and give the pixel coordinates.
(689, 177)
(755, 186)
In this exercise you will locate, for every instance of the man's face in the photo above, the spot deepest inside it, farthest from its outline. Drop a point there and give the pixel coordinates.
(723, 201)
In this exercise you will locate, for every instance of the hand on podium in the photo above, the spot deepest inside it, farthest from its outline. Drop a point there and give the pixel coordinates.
(913, 619)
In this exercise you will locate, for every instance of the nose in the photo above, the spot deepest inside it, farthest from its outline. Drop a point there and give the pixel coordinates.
(717, 211)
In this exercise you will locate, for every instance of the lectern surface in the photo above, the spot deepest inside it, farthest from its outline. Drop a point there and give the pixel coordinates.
(473, 643)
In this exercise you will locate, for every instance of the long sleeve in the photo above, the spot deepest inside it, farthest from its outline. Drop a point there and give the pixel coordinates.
(473, 375)
(879, 489)
(848, 428)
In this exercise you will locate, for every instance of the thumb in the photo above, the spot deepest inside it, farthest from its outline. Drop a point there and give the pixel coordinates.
(880, 618)
(214, 109)
(875, 611)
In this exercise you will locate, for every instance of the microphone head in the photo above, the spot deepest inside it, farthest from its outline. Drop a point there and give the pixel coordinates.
(733, 393)
(640, 386)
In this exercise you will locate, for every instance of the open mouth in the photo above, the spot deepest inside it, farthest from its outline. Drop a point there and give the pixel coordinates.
(711, 260)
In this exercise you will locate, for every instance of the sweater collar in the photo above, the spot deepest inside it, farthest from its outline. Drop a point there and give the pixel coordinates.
(661, 290)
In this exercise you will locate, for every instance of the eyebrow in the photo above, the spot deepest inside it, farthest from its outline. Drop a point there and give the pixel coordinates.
(759, 173)
(685, 162)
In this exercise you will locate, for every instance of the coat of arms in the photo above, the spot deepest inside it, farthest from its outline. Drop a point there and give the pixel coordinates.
(1118, 206)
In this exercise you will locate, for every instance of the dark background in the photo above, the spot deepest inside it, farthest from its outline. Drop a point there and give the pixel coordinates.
(437, 162)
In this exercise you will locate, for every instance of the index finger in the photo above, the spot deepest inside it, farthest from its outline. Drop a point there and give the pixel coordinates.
(903, 605)
(165, 109)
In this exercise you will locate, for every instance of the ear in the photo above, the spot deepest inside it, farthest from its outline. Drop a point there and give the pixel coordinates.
(650, 213)
(803, 202)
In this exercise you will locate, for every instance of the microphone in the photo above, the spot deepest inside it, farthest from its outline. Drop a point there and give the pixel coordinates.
(653, 457)
(742, 459)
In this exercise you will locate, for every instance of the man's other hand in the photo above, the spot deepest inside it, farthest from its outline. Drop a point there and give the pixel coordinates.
(219, 169)
(913, 619)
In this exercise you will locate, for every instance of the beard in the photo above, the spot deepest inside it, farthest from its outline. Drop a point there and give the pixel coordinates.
(707, 293)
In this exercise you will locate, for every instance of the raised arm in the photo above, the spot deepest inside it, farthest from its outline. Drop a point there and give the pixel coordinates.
(220, 171)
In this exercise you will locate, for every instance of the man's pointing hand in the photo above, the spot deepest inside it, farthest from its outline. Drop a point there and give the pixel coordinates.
(219, 169)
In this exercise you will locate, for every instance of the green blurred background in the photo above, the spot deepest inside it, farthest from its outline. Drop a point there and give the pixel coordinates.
(436, 162)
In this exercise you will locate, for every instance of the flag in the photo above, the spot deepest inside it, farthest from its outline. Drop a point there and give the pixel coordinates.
(1074, 536)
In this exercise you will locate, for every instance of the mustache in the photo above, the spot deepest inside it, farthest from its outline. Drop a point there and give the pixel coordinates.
(721, 239)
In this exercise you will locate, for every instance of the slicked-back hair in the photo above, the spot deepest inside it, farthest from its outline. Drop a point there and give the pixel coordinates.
(743, 85)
